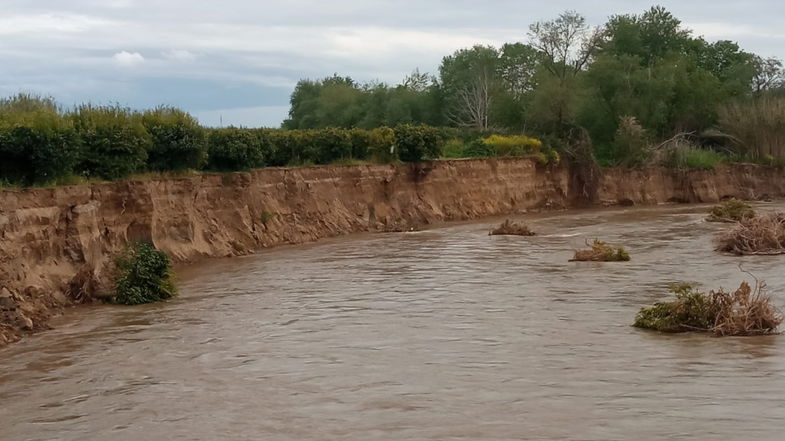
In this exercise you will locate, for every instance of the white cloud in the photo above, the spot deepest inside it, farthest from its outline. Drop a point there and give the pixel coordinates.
(125, 58)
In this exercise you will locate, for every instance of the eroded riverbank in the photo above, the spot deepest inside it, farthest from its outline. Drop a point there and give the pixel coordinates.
(440, 334)
(58, 243)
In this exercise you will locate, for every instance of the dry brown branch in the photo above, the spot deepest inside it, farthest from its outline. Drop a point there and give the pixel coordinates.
(761, 235)
(509, 228)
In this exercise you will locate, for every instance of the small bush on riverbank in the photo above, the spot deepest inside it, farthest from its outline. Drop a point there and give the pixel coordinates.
(144, 275)
(746, 311)
(509, 228)
(732, 210)
(764, 234)
(601, 252)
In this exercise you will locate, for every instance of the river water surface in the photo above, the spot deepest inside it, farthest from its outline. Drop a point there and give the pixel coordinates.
(445, 334)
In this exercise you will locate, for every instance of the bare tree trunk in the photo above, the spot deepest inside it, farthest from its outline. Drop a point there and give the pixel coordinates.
(472, 107)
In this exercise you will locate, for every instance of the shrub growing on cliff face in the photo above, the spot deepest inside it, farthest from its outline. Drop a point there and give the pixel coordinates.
(732, 210)
(178, 141)
(764, 234)
(601, 252)
(115, 142)
(233, 149)
(746, 311)
(144, 275)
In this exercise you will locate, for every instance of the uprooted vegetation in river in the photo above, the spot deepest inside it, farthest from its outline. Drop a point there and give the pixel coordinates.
(764, 234)
(746, 311)
(143, 275)
(601, 252)
(732, 210)
(510, 228)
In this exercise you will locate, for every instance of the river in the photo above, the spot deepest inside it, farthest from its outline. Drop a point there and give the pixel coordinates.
(443, 334)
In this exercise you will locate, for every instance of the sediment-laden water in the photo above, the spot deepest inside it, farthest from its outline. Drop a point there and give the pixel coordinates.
(434, 335)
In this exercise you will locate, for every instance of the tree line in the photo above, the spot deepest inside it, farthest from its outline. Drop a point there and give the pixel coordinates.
(633, 83)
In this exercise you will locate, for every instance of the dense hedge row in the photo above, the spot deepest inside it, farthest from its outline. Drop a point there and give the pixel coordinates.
(41, 144)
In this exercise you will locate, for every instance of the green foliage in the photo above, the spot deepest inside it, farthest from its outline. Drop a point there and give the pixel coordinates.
(630, 145)
(179, 142)
(233, 149)
(415, 143)
(745, 311)
(381, 145)
(332, 144)
(144, 275)
(37, 145)
(515, 145)
(478, 149)
(691, 157)
(115, 142)
(691, 311)
(732, 210)
(602, 252)
(453, 149)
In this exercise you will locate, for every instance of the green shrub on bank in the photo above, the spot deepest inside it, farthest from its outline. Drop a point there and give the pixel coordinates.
(144, 275)
(331, 145)
(178, 141)
(37, 145)
(234, 149)
(115, 142)
(690, 157)
(478, 149)
(417, 142)
(381, 145)
(515, 145)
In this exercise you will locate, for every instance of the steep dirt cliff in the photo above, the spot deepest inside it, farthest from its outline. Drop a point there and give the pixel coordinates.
(57, 244)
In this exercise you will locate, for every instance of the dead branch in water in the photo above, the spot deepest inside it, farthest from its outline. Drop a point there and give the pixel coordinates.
(509, 228)
(761, 235)
(601, 252)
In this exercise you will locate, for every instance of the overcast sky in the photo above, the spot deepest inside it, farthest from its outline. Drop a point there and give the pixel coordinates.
(238, 60)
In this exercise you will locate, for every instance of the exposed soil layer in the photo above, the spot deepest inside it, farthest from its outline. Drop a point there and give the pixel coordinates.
(57, 244)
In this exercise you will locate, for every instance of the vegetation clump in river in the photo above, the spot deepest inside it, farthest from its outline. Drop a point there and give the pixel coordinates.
(732, 210)
(746, 311)
(509, 228)
(601, 252)
(763, 234)
(144, 275)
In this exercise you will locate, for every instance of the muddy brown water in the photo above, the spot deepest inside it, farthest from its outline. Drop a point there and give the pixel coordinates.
(433, 335)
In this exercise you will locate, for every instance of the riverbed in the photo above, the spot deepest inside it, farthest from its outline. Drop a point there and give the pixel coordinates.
(446, 333)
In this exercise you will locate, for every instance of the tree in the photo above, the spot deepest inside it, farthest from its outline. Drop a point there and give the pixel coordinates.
(331, 102)
(418, 81)
(566, 43)
(469, 81)
(768, 74)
